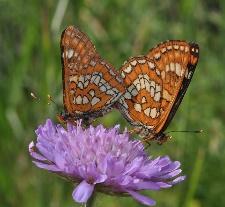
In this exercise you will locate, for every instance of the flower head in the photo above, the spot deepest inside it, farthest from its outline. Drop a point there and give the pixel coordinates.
(101, 159)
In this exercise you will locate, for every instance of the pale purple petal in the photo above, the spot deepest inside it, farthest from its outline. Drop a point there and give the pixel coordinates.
(83, 192)
(147, 185)
(34, 154)
(171, 166)
(47, 166)
(178, 180)
(164, 185)
(142, 199)
(171, 174)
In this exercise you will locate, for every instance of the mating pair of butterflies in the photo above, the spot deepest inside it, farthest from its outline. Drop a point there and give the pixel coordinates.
(147, 89)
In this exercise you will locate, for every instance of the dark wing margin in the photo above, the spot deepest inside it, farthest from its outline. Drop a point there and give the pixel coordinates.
(193, 61)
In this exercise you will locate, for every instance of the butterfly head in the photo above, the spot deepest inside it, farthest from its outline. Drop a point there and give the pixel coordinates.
(65, 117)
(160, 138)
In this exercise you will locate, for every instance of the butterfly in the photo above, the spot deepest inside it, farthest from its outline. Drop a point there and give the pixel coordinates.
(90, 85)
(155, 86)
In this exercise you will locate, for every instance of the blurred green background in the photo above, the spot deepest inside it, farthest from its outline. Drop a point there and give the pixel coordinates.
(30, 62)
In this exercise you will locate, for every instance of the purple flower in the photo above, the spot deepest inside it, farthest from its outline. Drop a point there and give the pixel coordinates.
(102, 159)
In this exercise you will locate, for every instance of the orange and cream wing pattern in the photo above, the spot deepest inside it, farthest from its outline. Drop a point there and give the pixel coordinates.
(155, 85)
(90, 84)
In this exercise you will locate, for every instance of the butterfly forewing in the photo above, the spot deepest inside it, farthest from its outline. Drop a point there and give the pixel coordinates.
(176, 61)
(156, 84)
(91, 86)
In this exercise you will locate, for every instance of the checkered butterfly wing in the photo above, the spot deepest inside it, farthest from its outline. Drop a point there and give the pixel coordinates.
(90, 84)
(156, 84)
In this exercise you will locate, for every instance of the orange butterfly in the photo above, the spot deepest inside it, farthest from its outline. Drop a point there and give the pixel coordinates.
(90, 85)
(155, 86)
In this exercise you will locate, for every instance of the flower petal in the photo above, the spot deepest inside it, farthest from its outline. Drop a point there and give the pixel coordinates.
(34, 154)
(83, 192)
(178, 180)
(147, 185)
(142, 199)
(50, 167)
(163, 185)
(171, 174)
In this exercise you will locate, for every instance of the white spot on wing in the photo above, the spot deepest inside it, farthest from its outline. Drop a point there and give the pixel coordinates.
(147, 111)
(172, 66)
(137, 84)
(189, 75)
(166, 95)
(178, 69)
(142, 82)
(153, 84)
(157, 96)
(85, 100)
(103, 88)
(122, 74)
(73, 78)
(176, 47)
(152, 92)
(158, 88)
(127, 95)
(97, 80)
(92, 92)
(110, 92)
(92, 63)
(169, 47)
(163, 50)
(134, 63)
(86, 82)
(153, 113)
(137, 107)
(81, 78)
(80, 85)
(95, 100)
(157, 72)
(151, 65)
(143, 100)
(78, 100)
(69, 53)
(142, 61)
(167, 68)
(147, 85)
(186, 49)
(128, 69)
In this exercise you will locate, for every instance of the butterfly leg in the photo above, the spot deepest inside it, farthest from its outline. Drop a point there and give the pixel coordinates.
(60, 119)
(148, 144)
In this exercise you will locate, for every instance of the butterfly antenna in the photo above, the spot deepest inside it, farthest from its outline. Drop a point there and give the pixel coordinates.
(51, 100)
(188, 131)
(33, 95)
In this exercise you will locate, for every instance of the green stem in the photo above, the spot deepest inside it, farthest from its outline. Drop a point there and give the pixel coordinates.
(91, 200)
